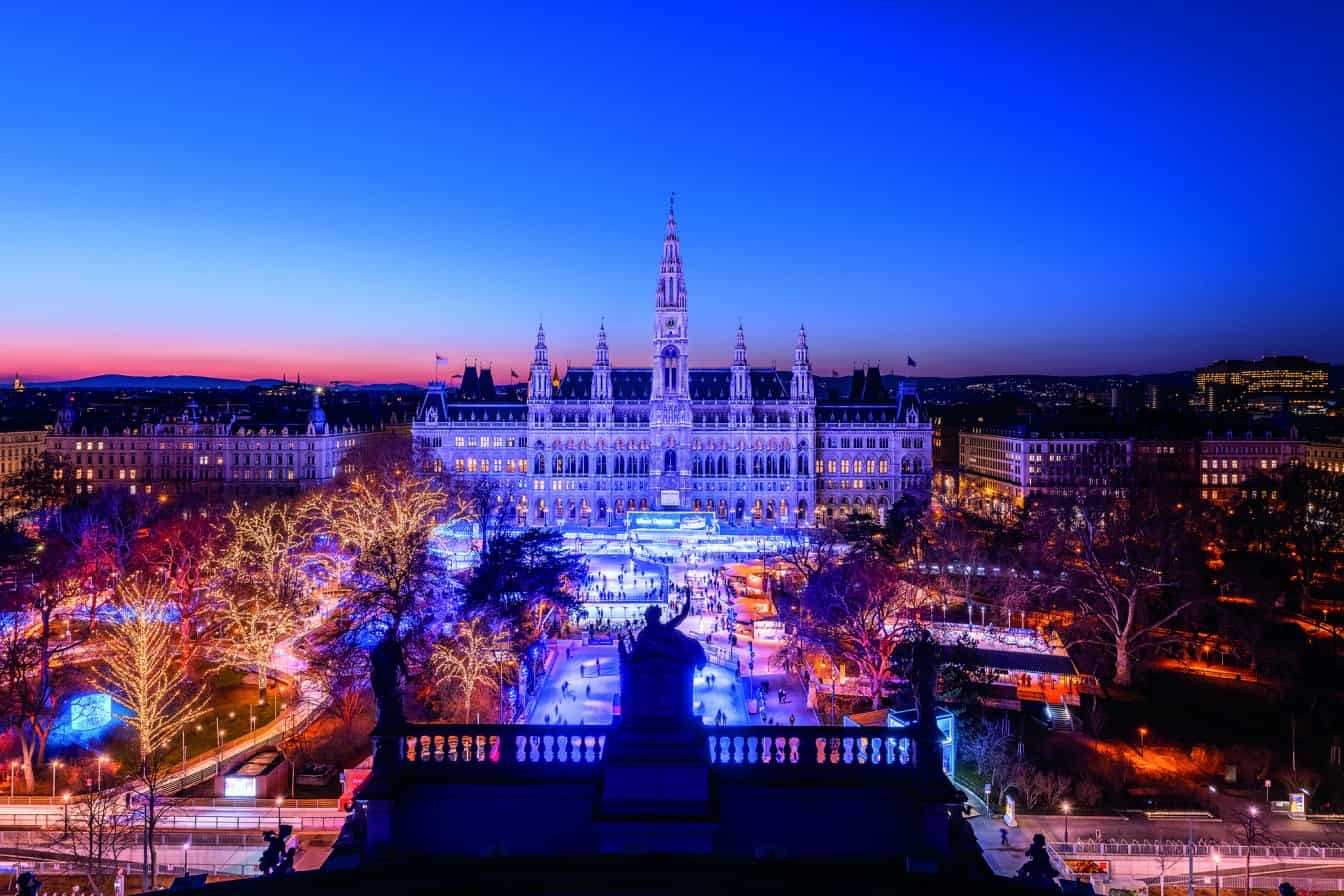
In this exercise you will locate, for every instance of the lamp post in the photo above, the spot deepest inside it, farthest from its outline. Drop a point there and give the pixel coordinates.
(186, 868)
(279, 801)
(1143, 735)
(1065, 806)
(1217, 874)
(101, 759)
(55, 764)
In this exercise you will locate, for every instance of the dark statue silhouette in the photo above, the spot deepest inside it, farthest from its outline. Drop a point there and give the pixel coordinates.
(657, 672)
(1037, 870)
(387, 667)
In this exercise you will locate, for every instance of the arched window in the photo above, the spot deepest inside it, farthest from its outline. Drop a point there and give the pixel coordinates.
(670, 460)
(756, 465)
(583, 465)
(783, 465)
(770, 468)
(696, 469)
(540, 466)
(740, 467)
(620, 466)
(601, 468)
(670, 369)
(723, 465)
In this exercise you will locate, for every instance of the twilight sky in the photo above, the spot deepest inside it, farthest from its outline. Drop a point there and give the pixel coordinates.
(342, 191)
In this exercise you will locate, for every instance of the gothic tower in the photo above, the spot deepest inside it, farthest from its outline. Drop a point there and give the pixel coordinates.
(670, 362)
(539, 385)
(739, 385)
(670, 396)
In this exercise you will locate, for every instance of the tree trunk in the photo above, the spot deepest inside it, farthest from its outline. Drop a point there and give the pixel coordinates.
(1124, 674)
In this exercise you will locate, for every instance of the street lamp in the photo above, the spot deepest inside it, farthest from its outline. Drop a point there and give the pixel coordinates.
(101, 759)
(279, 801)
(1065, 806)
(186, 868)
(1217, 874)
(1143, 734)
(55, 764)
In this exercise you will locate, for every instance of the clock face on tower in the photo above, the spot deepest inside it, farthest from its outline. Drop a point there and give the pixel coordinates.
(671, 325)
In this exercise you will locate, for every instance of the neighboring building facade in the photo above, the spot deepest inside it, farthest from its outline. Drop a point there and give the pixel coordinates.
(1225, 461)
(18, 448)
(1326, 455)
(1002, 467)
(197, 454)
(749, 444)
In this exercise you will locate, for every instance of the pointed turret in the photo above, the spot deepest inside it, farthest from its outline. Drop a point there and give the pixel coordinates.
(539, 387)
(317, 418)
(65, 417)
(740, 386)
(800, 384)
(601, 390)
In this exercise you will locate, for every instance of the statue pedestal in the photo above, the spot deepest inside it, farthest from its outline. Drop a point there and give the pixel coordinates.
(655, 790)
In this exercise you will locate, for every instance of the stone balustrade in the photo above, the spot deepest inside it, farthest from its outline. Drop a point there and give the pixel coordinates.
(543, 750)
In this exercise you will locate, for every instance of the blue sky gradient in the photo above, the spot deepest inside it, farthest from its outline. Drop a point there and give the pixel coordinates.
(345, 190)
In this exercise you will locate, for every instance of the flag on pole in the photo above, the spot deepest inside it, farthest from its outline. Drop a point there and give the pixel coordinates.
(439, 357)
(834, 372)
(909, 361)
(513, 373)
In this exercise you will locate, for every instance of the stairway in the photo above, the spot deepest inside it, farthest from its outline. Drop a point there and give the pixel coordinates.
(1058, 717)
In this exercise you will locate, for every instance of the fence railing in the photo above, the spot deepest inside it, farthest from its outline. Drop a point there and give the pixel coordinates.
(57, 820)
(1156, 848)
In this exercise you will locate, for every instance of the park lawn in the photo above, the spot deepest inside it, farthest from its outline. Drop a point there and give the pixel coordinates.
(229, 694)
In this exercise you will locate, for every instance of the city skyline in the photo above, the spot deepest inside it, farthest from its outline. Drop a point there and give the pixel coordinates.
(1058, 195)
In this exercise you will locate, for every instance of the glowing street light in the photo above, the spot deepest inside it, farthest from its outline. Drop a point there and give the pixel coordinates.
(101, 759)
(1217, 874)
(279, 801)
(1066, 807)
(1143, 734)
(55, 764)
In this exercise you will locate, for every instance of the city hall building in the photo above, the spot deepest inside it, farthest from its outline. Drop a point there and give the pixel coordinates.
(751, 445)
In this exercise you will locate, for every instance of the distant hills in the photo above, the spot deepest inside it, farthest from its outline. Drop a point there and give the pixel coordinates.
(170, 382)
(181, 382)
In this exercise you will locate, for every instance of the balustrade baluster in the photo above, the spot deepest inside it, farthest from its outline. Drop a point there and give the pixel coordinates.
(793, 750)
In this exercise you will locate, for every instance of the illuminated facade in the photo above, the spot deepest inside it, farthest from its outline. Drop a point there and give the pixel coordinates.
(1226, 460)
(198, 454)
(18, 448)
(750, 444)
(1001, 467)
(1273, 384)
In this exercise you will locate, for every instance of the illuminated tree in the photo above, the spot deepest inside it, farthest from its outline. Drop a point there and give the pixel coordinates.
(383, 519)
(476, 655)
(262, 582)
(34, 681)
(184, 551)
(859, 611)
(141, 669)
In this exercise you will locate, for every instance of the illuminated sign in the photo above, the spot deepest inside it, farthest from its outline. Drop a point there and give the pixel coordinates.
(90, 712)
(669, 497)
(236, 785)
(1297, 805)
